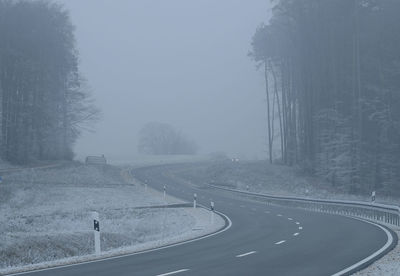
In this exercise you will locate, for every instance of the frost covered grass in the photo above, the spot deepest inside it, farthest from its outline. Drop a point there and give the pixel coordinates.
(5, 165)
(260, 176)
(140, 160)
(388, 265)
(201, 228)
(45, 215)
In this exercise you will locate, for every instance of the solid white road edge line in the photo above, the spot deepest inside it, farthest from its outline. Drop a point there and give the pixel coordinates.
(388, 243)
(280, 242)
(246, 254)
(135, 253)
(173, 272)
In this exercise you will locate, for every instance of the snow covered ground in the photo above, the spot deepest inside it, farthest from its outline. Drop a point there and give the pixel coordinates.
(389, 265)
(140, 160)
(260, 176)
(5, 165)
(45, 216)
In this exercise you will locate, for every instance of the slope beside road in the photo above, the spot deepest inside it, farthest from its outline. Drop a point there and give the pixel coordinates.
(46, 216)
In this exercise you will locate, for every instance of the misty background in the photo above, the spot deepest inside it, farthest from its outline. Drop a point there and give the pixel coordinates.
(178, 62)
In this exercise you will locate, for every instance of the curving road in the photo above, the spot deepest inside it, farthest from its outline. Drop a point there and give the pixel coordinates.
(262, 240)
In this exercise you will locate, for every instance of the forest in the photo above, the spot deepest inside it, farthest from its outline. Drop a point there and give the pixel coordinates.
(332, 75)
(44, 100)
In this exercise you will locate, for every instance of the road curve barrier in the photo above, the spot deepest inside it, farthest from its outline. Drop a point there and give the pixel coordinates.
(382, 213)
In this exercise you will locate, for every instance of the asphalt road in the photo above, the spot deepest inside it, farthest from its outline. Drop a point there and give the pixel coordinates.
(262, 240)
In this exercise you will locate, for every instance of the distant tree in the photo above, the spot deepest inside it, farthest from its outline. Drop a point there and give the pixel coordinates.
(163, 139)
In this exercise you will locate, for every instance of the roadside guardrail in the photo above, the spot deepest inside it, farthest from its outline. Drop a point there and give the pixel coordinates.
(383, 213)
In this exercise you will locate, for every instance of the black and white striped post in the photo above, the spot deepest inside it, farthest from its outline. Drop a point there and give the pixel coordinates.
(373, 196)
(165, 192)
(212, 212)
(194, 201)
(96, 231)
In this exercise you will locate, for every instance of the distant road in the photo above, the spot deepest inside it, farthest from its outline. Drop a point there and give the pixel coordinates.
(262, 240)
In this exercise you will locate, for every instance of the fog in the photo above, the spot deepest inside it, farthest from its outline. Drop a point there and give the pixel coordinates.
(179, 62)
(115, 114)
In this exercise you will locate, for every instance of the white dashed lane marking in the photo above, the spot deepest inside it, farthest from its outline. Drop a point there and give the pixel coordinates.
(295, 234)
(280, 242)
(173, 272)
(246, 254)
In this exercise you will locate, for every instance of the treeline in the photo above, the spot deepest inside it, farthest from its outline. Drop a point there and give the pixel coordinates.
(332, 72)
(43, 100)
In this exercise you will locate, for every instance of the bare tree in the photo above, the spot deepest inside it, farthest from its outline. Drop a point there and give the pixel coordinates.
(159, 139)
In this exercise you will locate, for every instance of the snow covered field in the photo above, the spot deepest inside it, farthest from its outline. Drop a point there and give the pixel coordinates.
(45, 215)
(260, 176)
(140, 160)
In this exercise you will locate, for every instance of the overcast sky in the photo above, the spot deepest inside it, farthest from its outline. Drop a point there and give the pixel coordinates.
(180, 62)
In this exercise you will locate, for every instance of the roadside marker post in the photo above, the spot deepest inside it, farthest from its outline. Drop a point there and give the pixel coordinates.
(96, 231)
(165, 191)
(373, 196)
(194, 201)
(212, 212)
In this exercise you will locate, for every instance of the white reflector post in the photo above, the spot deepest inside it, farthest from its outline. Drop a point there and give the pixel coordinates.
(96, 231)
(212, 212)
